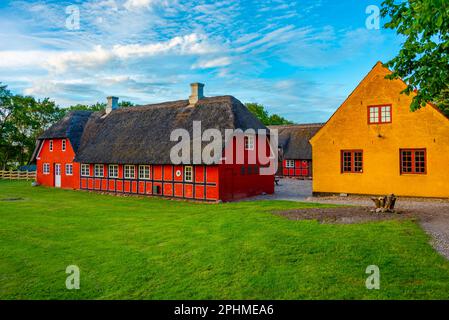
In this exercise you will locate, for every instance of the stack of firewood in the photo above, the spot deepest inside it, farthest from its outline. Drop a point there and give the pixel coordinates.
(384, 204)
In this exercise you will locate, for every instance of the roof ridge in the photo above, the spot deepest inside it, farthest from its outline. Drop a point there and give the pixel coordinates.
(301, 125)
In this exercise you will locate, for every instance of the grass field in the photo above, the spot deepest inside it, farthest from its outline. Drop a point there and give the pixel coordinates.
(143, 248)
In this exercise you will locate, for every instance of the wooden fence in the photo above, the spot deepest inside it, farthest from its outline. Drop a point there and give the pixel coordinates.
(18, 175)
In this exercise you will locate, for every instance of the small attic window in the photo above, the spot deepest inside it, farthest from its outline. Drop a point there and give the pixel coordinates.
(379, 114)
(51, 145)
(249, 142)
(289, 163)
(188, 176)
(64, 144)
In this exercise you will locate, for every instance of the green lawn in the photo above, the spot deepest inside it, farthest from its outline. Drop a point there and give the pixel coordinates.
(144, 248)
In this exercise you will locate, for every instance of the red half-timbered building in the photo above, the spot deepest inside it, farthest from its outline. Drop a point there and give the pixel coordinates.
(295, 150)
(127, 150)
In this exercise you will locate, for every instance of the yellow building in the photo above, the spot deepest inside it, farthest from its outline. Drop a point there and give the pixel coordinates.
(373, 144)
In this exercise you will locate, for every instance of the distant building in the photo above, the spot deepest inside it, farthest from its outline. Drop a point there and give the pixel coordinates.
(374, 144)
(295, 150)
(127, 150)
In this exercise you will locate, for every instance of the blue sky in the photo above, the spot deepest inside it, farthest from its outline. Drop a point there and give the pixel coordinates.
(299, 58)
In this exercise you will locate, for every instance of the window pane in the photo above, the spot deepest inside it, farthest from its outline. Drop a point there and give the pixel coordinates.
(85, 170)
(347, 161)
(386, 114)
(188, 174)
(249, 142)
(373, 114)
(129, 172)
(420, 166)
(144, 172)
(113, 171)
(406, 161)
(358, 162)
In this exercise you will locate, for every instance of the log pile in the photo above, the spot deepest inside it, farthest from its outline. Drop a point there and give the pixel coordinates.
(384, 204)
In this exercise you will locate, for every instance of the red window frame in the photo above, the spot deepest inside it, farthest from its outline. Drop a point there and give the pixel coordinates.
(379, 113)
(351, 167)
(413, 163)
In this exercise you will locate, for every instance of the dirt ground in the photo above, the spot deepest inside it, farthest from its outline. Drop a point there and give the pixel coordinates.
(344, 215)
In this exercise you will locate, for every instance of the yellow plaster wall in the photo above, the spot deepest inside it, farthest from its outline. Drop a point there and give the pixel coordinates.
(348, 128)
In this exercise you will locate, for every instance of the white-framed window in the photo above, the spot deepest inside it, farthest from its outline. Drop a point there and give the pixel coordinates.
(289, 163)
(46, 168)
(144, 172)
(379, 114)
(188, 175)
(99, 170)
(130, 172)
(64, 144)
(85, 170)
(249, 142)
(385, 114)
(69, 169)
(113, 171)
(51, 145)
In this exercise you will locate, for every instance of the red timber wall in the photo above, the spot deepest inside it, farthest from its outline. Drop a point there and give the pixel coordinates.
(225, 182)
(57, 156)
(238, 181)
(165, 180)
(301, 169)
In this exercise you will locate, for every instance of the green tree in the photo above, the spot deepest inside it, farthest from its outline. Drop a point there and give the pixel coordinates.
(22, 120)
(259, 111)
(423, 61)
(99, 106)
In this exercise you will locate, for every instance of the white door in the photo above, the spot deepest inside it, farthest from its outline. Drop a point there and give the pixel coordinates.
(57, 175)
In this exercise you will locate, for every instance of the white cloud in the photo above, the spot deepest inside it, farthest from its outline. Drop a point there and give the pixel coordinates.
(214, 63)
(22, 59)
(193, 44)
(275, 37)
(137, 4)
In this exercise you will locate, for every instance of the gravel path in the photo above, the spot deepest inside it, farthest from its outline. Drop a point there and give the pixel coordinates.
(432, 214)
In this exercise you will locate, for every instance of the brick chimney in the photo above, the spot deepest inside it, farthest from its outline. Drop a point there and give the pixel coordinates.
(197, 92)
(112, 104)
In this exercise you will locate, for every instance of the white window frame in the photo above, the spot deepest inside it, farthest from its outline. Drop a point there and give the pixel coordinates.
(249, 142)
(64, 144)
(114, 172)
(50, 147)
(142, 172)
(129, 168)
(69, 172)
(101, 175)
(46, 168)
(385, 114)
(85, 170)
(289, 163)
(188, 171)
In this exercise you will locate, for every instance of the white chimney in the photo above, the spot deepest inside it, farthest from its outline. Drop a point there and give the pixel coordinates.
(197, 92)
(112, 104)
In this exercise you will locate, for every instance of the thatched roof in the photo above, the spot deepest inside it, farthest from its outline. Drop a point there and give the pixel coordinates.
(70, 127)
(141, 134)
(294, 140)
